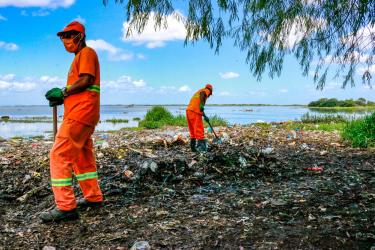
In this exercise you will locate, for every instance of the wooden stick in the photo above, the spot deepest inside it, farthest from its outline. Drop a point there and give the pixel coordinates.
(54, 121)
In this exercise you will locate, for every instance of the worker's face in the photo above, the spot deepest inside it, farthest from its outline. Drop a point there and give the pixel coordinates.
(71, 41)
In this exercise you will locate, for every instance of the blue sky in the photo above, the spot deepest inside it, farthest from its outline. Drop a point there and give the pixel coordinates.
(151, 68)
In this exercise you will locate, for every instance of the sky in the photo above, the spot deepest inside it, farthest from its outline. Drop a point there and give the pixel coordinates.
(151, 68)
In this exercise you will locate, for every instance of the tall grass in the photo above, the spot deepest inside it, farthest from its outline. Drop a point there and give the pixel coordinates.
(308, 118)
(159, 116)
(361, 132)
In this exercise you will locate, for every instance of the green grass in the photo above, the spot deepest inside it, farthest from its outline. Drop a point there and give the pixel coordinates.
(357, 109)
(329, 127)
(38, 137)
(307, 118)
(159, 116)
(35, 119)
(117, 120)
(361, 132)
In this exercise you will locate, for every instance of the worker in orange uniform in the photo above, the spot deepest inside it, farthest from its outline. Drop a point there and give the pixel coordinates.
(73, 148)
(194, 113)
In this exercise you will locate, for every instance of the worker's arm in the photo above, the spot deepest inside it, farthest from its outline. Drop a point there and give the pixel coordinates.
(202, 97)
(84, 81)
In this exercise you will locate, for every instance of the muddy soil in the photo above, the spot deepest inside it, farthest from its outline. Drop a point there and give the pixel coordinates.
(262, 188)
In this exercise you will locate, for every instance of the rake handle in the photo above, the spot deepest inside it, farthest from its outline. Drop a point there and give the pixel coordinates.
(54, 121)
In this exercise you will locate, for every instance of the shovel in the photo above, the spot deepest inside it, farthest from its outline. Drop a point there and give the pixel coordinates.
(54, 121)
(216, 140)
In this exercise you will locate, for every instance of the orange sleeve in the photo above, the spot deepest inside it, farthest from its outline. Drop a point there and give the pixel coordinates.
(87, 62)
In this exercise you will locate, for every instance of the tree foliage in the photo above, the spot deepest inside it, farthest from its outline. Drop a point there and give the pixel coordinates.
(319, 33)
(333, 102)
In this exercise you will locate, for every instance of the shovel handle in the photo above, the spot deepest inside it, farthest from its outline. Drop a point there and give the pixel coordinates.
(54, 121)
(208, 121)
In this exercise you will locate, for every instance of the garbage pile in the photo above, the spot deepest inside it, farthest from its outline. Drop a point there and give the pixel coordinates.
(262, 188)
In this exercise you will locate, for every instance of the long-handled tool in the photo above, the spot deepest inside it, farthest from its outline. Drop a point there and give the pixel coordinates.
(54, 121)
(216, 140)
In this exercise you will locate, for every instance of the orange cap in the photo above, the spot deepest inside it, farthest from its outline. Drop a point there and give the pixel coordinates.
(76, 26)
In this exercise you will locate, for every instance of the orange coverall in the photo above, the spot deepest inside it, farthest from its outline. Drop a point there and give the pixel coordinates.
(73, 148)
(194, 115)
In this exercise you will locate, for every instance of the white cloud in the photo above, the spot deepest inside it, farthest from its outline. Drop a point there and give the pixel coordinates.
(37, 3)
(364, 37)
(175, 31)
(184, 88)
(3, 18)
(139, 83)
(229, 75)
(80, 19)
(141, 56)
(124, 82)
(114, 53)
(9, 83)
(7, 77)
(52, 80)
(283, 91)
(8, 46)
(295, 30)
(4, 85)
(224, 93)
(362, 70)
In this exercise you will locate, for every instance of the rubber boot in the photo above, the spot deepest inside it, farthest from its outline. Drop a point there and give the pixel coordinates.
(202, 146)
(83, 203)
(193, 143)
(59, 215)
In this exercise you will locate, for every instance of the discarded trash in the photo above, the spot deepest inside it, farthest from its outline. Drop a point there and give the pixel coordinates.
(317, 169)
(267, 150)
(128, 174)
(141, 245)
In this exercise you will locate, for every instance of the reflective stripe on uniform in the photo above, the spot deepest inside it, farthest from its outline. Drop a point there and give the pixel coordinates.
(85, 176)
(94, 88)
(63, 182)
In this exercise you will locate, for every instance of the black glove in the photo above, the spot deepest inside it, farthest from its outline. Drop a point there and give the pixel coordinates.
(54, 103)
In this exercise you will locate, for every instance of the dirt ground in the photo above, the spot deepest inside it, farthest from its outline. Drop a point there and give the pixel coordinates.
(262, 188)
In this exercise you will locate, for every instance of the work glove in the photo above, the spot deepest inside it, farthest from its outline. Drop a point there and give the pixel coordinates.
(201, 107)
(54, 103)
(54, 94)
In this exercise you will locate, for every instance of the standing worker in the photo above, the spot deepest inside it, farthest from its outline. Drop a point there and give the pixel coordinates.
(73, 147)
(194, 113)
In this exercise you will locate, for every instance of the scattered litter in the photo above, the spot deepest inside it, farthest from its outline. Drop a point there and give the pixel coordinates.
(267, 150)
(253, 191)
(141, 245)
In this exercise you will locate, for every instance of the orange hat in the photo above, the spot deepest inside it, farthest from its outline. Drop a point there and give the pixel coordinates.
(209, 86)
(77, 26)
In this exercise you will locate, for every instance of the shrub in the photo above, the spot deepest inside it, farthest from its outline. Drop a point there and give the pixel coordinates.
(360, 132)
(159, 116)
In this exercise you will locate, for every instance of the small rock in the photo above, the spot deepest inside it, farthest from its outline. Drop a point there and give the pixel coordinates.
(100, 155)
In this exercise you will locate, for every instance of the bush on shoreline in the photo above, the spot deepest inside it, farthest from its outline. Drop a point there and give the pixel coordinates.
(159, 116)
(361, 132)
(333, 102)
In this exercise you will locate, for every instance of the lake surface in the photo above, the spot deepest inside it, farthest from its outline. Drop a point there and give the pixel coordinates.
(233, 114)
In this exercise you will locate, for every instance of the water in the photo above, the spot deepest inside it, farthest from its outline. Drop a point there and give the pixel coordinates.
(233, 114)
